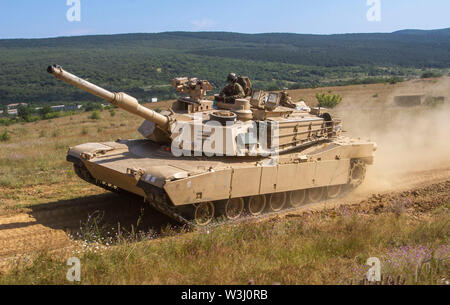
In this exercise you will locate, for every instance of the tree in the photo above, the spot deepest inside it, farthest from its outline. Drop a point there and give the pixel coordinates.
(5, 111)
(24, 112)
(327, 100)
(3, 94)
(44, 111)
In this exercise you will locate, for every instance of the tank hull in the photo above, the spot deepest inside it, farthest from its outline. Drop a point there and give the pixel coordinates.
(151, 171)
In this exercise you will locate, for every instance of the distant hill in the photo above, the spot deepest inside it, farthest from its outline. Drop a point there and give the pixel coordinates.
(440, 32)
(144, 64)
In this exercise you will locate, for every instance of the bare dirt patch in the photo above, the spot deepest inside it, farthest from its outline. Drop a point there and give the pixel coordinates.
(48, 226)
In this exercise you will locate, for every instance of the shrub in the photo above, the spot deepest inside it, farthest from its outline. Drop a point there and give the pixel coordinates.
(328, 100)
(5, 122)
(112, 112)
(430, 74)
(435, 101)
(44, 111)
(394, 80)
(92, 106)
(4, 137)
(94, 116)
(52, 115)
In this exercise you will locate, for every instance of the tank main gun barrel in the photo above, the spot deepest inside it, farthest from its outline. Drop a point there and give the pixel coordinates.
(121, 100)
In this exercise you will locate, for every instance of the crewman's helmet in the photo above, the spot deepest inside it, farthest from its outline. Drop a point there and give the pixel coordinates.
(232, 78)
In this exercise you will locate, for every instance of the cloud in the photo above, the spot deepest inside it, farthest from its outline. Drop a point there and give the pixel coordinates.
(202, 24)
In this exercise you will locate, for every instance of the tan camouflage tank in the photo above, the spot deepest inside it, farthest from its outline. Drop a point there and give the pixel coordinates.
(207, 161)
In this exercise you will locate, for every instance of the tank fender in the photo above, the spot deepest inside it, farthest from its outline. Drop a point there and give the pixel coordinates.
(89, 150)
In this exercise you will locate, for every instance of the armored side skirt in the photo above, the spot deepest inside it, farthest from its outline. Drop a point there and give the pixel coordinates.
(229, 183)
(242, 182)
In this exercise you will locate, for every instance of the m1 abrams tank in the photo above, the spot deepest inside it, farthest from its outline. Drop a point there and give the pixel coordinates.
(204, 161)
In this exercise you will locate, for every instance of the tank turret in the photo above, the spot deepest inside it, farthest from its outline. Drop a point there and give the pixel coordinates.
(260, 125)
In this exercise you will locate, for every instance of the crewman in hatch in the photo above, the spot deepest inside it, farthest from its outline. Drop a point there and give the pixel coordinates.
(233, 90)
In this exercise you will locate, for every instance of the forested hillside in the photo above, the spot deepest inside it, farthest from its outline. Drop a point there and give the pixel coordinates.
(144, 64)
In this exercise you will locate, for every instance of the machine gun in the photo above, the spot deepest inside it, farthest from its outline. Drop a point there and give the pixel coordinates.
(195, 88)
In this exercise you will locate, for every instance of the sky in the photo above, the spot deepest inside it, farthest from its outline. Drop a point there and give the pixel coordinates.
(48, 18)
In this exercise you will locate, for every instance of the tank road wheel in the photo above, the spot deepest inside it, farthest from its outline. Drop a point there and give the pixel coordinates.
(232, 209)
(334, 191)
(315, 194)
(357, 173)
(297, 198)
(204, 213)
(256, 205)
(277, 202)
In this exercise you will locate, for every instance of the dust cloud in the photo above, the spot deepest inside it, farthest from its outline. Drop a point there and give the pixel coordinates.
(409, 139)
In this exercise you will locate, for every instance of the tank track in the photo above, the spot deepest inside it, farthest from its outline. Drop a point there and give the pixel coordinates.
(185, 214)
(246, 217)
(84, 174)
